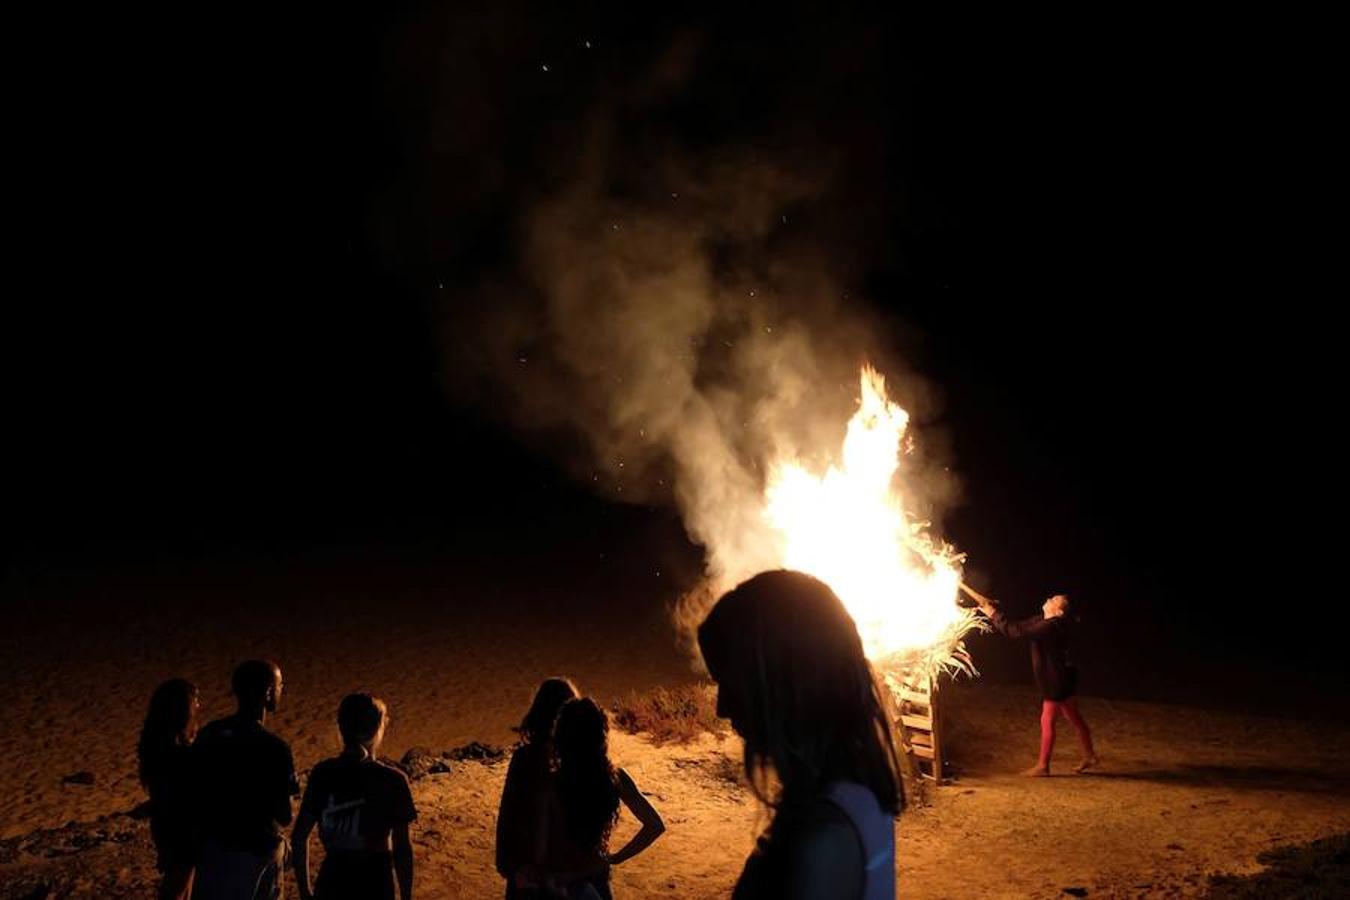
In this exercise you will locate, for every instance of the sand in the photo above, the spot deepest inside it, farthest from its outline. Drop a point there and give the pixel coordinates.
(1182, 794)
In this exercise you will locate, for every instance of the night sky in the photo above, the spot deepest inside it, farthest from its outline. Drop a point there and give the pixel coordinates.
(1091, 235)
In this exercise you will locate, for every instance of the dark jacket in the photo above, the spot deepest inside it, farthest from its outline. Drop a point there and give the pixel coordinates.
(1049, 638)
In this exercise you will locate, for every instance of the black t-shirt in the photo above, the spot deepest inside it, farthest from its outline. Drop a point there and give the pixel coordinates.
(357, 803)
(246, 779)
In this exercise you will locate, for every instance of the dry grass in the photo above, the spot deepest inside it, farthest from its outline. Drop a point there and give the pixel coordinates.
(670, 715)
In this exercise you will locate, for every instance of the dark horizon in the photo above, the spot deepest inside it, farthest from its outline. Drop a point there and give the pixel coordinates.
(1088, 251)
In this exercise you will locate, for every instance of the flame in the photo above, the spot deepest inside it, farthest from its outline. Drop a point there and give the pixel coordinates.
(849, 528)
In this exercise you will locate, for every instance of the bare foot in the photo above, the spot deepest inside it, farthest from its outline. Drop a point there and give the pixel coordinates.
(1037, 772)
(1089, 762)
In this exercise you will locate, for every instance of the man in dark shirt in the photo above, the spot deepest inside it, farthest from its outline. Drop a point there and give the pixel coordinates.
(245, 782)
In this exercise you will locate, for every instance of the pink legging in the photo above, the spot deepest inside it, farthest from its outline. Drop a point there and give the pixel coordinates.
(1050, 709)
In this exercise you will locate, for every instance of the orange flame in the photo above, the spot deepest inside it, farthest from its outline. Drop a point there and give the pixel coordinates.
(849, 528)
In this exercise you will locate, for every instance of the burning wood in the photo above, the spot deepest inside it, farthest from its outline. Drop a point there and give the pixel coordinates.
(849, 527)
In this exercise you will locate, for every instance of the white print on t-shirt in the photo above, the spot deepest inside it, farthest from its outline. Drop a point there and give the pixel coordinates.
(340, 824)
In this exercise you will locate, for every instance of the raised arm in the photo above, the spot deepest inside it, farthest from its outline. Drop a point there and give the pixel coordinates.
(652, 824)
(1032, 627)
(985, 603)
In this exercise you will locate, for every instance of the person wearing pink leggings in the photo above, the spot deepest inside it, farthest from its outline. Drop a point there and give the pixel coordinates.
(1048, 635)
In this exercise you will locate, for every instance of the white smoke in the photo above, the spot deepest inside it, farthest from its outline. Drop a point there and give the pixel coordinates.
(690, 337)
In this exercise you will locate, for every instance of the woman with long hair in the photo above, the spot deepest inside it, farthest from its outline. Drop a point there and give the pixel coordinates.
(1047, 635)
(164, 755)
(819, 750)
(583, 806)
(520, 816)
(363, 808)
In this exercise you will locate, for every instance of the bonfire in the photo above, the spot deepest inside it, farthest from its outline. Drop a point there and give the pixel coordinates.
(849, 527)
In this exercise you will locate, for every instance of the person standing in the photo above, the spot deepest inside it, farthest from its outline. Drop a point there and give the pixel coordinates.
(362, 808)
(819, 749)
(520, 815)
(164, 753)
(245, 782)
(1057, 678)
(585, 795)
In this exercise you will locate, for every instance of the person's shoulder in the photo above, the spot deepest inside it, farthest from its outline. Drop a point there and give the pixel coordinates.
(272, 740)
(214, 730)
(528, 754)
(824, 846)
(825, 811)
(390, 774)
(819, 819)
(325, 768)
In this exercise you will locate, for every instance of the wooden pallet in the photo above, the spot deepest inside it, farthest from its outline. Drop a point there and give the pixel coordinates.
(920, 725)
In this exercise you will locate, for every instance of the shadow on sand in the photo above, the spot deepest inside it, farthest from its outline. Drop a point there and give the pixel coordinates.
(1320, 869)
(1253, 778)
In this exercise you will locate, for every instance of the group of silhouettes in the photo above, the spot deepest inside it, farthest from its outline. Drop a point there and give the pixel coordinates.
(792, 678)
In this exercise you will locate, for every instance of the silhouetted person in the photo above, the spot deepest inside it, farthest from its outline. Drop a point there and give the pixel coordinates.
(246, 779)
(165, 756)
(1048, 634)
(792, 678)
(363, 808)
(583, 805)
(520, 816)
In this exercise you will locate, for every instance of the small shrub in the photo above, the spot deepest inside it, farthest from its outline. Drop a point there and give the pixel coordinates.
(670, 715)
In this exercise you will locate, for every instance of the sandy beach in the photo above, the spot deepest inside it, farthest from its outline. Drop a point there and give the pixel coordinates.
(1183, 793)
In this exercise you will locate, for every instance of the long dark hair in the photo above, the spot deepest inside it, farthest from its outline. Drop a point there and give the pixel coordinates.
(785, 647)
(537, 726)
(171, 721)
(585, 778)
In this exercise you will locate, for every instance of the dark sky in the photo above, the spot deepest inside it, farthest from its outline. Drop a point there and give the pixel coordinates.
(1092, 234)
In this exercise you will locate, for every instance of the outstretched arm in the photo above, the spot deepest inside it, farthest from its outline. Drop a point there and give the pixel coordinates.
(1032, 627)
(652, 824)
(986, 604)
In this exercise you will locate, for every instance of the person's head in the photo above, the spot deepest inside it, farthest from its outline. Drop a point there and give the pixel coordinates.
(585, 775)
(170, 721)
(256, 684)
(1057, 605)
(537, 726)
(581, 733)
(362, 719)
(794, 681)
